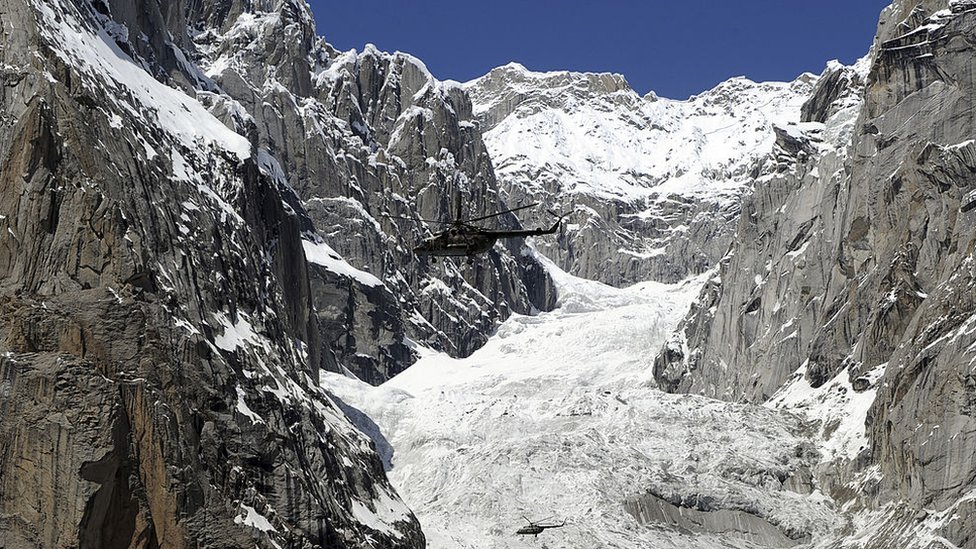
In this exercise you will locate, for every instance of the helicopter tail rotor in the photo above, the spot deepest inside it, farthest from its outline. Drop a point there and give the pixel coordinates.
(555, 226)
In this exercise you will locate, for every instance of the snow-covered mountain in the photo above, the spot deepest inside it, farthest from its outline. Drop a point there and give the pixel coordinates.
(204, 206)
(369, 142)
(844, 306)
(653, 184)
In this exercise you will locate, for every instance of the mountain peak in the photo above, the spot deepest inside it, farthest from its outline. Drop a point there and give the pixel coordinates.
(498, 93)
(514, 73)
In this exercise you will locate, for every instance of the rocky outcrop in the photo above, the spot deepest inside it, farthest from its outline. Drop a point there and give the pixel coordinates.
(852, 273)
(735, 524)
(507, 89)
(651, 186)
(158, 337)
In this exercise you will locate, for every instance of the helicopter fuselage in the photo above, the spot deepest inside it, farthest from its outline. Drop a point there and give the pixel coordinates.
(534, 529)
(470, 241)
(446, 244)
(530, 530)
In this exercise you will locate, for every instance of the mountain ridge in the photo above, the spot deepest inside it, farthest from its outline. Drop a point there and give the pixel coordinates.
(650, 186)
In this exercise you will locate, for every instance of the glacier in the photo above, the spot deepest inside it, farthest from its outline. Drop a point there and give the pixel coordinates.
(558, 415)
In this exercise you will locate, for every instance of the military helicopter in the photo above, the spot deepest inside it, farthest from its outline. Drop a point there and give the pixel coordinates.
(535, 528)
(462, 239)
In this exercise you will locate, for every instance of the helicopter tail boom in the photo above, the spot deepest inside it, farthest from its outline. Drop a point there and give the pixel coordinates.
(530, 232)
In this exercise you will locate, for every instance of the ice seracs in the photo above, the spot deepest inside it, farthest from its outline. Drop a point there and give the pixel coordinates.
(557, 414)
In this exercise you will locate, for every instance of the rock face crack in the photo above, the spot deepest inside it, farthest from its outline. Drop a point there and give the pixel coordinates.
(111, 513)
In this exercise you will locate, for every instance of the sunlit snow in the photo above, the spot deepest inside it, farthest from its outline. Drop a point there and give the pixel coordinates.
(558, 415)
(386, 512)
(619, 145)
(235, 333)
(169, 109)
(322, 254)
(840, 412)
(254, 519)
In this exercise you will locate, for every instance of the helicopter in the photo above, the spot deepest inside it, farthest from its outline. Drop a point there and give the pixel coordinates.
(461, 239)
(535, 528)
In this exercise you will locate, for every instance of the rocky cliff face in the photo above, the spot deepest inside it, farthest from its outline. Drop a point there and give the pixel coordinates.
(652, 185)
(173, 175)
(368, 142)
(768, 244)
(848, 291)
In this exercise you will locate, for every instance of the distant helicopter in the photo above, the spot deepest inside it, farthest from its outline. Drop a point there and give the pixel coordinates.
(535, 528)
(464, 239)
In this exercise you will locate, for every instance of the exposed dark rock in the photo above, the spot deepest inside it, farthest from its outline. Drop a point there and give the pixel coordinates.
(697, 517)
(159, 344)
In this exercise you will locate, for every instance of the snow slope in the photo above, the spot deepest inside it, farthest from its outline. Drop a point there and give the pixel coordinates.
(599, 137)
(557, 415)
(135, 91)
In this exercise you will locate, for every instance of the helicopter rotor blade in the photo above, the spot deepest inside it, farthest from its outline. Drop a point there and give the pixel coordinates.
(539, 522)
(500, 213)
(419, 219)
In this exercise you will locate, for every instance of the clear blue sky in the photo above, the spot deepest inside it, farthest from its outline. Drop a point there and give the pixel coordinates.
(674, 47)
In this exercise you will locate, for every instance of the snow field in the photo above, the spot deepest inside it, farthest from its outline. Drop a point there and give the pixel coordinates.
(621, 146)
(558, 415)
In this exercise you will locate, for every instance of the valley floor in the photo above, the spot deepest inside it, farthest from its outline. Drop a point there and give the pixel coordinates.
(558, 416)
